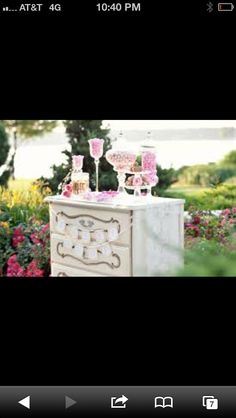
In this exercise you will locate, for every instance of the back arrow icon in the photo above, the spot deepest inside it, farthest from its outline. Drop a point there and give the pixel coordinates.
(25, 402)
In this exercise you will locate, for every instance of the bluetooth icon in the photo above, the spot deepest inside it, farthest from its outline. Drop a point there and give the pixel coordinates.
(210, 7)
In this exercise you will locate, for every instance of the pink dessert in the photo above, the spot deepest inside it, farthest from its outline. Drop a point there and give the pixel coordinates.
(121, 160)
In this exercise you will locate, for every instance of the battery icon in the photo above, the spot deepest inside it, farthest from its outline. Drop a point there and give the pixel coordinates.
(225, 7)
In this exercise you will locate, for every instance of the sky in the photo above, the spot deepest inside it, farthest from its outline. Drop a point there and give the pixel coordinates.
(167, 124)
(161, 124)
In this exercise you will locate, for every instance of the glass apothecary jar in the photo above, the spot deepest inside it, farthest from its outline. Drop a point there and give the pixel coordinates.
(122, 156)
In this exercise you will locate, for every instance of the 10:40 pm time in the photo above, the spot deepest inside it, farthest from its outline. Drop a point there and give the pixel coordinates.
(118, 7)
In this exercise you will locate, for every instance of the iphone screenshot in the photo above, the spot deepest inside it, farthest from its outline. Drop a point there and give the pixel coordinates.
(117, 208)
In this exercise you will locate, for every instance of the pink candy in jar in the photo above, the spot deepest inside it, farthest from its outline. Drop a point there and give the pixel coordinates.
(96, 147)
(148, 161)
(151, 178)
(121, 160)
(78, 161)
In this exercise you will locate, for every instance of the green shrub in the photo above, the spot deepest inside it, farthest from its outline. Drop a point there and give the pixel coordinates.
(221, 197)
(19, 206)
(229, 159)
(209, 259)
(24, 216)
(206, 174)
(167, 177)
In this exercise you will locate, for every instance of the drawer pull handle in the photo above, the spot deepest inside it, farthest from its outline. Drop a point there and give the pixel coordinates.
(61, 274)
(114, 265)
(88, 224)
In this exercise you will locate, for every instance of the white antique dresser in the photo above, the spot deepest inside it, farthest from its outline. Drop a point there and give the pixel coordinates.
(143, 237)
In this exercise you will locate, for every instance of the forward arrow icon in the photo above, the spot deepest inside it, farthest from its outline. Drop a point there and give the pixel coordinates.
(69, 402)
(25, 402)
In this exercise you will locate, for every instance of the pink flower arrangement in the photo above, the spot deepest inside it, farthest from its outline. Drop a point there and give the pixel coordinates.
(96, 147)
(78, 161)
(67, 190)
(137, 181)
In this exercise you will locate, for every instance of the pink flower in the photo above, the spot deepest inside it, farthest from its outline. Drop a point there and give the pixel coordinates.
(65, 193)
(18, 231)
(96, 147)
(68, 187)
(194, 229)
(45, 228)
(233, 210)
(232, 221)
(223, 222)
(196, 220)
(33, 270)
(137, 181)
(67, 190)
(226, 212)
(18, 236)
(20, 272)
(14, 269)
(12, 260)
(35, 239)
(78, 161)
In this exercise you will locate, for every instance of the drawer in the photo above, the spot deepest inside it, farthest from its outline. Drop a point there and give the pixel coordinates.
(118, 263)
(70, 220)
(58, 270)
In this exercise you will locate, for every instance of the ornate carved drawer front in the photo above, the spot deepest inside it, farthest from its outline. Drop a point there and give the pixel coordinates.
(106, 258)
(91, 225)
(59, 270)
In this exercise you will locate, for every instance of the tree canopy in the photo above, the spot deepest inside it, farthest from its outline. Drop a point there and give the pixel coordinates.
(29, 128)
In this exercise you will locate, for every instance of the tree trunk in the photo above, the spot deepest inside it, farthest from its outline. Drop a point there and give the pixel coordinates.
(14, 154)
